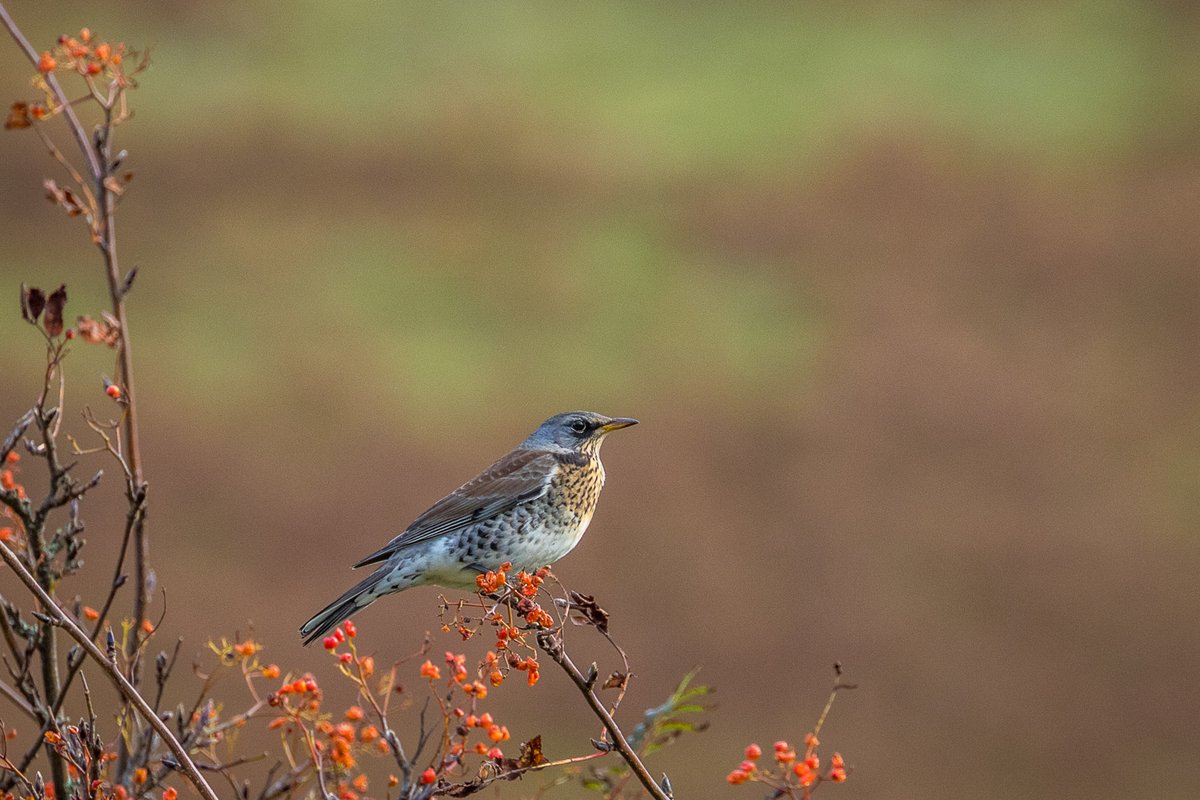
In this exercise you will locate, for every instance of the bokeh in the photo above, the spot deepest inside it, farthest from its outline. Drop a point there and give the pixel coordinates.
(905, 295)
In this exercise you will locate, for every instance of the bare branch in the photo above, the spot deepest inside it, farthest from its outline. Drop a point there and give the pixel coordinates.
(122, 684)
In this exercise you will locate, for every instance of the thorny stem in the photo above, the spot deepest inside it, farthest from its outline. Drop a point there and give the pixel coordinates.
(551, 645)
(62, 619)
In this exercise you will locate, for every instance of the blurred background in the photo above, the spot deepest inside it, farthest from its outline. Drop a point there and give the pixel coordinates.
(904, 294)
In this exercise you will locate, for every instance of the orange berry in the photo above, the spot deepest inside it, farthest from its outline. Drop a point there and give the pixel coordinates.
(354, 713)
(46, 64)
(113, 391)
(94, 69)
(103, 51)
(811, 740)
(246, 648)
(533, 677)
(746, 766)
(85, 34)
(369, 734)
(12, 457)
(428, 670)
(147, 627)
(428, 776)
(367, 665)
(90, 614)
(393, 781)
(169, 793)
(140, 775)
(737, 776)
(360, 783)
(812, 762)
(753, 751)
(836, 761)
(495, 754)
(271, 671)
(5, 534)
(6, 479)
(486, 721)
(837, 775)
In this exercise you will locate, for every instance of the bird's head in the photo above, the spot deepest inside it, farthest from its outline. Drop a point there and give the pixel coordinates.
(577, 431)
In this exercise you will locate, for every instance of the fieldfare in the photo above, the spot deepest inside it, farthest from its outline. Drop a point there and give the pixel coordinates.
(530, 508)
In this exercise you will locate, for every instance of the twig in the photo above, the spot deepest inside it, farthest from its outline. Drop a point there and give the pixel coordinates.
(68, 111)
(551, 645)
(17, 700)
(64, 620)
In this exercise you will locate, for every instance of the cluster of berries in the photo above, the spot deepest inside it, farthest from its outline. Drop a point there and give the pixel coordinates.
(789, 771)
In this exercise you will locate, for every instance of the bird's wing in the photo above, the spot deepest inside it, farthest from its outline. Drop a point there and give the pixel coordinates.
(520, 476)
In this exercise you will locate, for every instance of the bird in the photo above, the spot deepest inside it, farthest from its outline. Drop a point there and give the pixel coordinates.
(529, 508)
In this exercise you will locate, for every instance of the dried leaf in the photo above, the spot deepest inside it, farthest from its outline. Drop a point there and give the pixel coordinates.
(18, 117)
(98, 332)
(53, 319)
(113, 185)
(593, 614)
(531, 754)
(64, 198)
(32, 303)
(618, 680)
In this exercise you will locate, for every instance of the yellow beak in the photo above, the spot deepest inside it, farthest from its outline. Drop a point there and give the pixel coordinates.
(616, 424)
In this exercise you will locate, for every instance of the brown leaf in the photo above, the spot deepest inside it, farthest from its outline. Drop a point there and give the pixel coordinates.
(64, 198)
(617, 680)
(32, 303)
(114, 185)
(18, 117)
(53, 319)
(593, 614)
(531, 754)
(97, 331)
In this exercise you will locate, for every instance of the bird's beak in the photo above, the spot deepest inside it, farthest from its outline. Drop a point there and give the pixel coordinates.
(616, 424)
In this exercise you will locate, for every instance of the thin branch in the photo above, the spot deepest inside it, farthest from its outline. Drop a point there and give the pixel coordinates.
(72, 118)
(551, 645)
(17, 700)
(64, 620)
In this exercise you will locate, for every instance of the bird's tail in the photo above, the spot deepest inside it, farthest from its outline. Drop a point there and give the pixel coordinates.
(357, 597)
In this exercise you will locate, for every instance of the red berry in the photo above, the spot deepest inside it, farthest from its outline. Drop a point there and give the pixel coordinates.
(330, 643)
(428, 776)
(753, 751)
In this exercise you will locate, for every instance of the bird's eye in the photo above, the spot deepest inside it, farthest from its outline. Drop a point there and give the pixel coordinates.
(579, 425)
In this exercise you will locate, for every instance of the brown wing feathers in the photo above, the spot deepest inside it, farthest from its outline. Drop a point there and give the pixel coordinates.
(520, 476)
